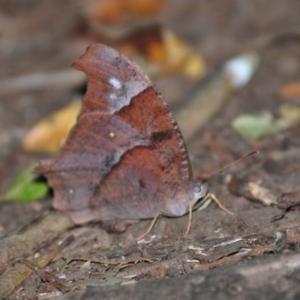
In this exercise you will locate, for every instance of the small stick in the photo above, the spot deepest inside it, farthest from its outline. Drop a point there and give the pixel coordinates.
(39, 81)
(46, 276)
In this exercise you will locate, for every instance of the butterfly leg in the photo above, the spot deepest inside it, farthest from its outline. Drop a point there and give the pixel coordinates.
(190, 218)
(214, 198)
(149, 228)
(155, 218)
(191, 208)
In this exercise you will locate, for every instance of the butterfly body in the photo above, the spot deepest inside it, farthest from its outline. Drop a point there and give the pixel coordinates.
(125, 158)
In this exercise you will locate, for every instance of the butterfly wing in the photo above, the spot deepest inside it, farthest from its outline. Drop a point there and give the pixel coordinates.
(125, 157)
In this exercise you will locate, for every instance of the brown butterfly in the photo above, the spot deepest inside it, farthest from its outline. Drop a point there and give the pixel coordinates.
(125, 158)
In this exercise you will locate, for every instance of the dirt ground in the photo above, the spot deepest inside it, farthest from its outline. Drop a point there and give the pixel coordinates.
(248, 255)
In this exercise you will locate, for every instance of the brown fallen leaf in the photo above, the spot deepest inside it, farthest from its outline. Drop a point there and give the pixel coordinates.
(289, 200)
(111, 11)
(290, 90)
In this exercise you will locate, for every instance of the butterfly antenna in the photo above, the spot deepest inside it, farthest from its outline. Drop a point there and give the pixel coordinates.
(227, 166)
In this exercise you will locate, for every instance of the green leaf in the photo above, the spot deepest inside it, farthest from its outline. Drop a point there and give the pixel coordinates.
(253, 127)
(26, 188)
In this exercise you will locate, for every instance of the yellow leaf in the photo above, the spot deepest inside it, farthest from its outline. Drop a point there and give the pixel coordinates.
(181, 56)
(49, 134)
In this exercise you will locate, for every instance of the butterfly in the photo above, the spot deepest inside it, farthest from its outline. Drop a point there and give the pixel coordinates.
(125, 158)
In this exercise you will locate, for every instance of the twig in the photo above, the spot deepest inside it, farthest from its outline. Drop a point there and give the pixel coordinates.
(40, 81)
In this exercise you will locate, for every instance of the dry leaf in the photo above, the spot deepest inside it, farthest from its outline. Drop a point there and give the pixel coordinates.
(49, 134)
(262, 194)
(290, 90)
(161, 52)
(111, 11)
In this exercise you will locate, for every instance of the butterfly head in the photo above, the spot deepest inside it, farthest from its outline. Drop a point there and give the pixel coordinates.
(200, 188)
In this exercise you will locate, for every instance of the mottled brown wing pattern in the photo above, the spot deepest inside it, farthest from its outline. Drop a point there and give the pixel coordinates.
(125, 157)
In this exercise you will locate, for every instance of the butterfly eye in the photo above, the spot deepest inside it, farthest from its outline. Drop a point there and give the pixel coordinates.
(197, 187)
